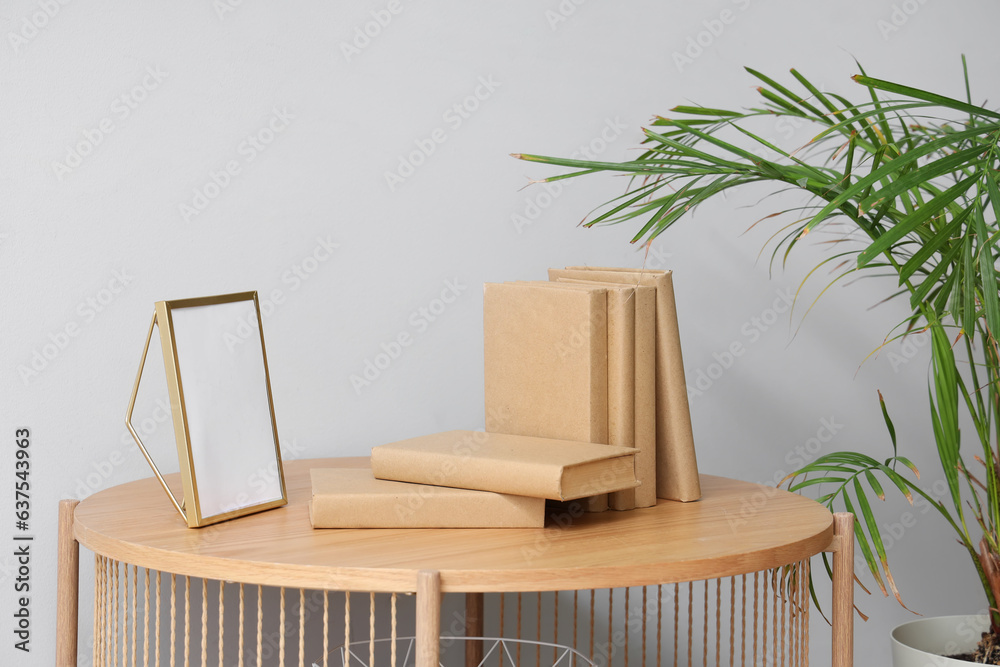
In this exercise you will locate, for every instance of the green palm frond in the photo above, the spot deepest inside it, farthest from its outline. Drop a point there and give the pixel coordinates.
(912, 175)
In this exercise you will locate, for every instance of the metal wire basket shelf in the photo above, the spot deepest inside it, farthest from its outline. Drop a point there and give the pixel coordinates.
(503, 652)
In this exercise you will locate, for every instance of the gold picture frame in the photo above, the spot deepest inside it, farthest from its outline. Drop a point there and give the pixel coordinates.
(221, 404)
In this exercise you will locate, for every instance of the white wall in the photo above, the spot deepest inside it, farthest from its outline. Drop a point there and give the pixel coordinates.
(213, 78)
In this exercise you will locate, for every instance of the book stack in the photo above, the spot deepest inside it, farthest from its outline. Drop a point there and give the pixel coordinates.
(676, 467)
(585, 401)
(467, 479)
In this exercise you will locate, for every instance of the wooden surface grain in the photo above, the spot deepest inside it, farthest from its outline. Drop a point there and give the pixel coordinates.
(736, 527)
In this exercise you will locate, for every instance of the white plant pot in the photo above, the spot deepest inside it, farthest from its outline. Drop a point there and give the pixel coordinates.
(924, 643)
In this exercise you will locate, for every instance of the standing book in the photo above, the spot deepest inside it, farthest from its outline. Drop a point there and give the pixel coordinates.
(353, 498)
(545, 355)
(512, 464)
(632, 383)
(676, 464)
(546, 362)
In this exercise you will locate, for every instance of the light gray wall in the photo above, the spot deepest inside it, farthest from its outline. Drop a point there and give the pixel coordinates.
(176, 89)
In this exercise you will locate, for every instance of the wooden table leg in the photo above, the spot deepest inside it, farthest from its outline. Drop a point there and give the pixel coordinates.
(843, 590)
(68, 587)
(474, 604)
(428, 618)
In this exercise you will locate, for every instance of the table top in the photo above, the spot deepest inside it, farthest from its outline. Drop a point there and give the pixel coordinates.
(736, 527)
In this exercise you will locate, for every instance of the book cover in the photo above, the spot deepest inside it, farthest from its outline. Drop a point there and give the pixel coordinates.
(353, 498)
(505, 463)
(545, 356)
(676, 463)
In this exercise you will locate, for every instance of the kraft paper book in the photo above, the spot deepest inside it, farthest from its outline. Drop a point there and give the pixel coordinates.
(545, 356)
(621, 379)
(619, 361)
(645, 395)
(353, 498)
(504, 463)
(631, 365)
(676, 464)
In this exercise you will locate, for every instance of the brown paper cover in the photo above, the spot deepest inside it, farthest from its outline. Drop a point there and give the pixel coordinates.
(353, 498)
(505, 463)
(545, 357)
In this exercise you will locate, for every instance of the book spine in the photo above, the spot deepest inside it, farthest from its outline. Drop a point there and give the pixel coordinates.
(425, 510)
(645, 396)
(599, 368)
(599, 377)
(621, 381)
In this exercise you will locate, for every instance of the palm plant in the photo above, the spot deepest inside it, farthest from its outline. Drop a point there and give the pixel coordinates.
(912, 177)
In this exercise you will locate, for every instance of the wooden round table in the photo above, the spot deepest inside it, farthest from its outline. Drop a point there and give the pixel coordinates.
(736, 528)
